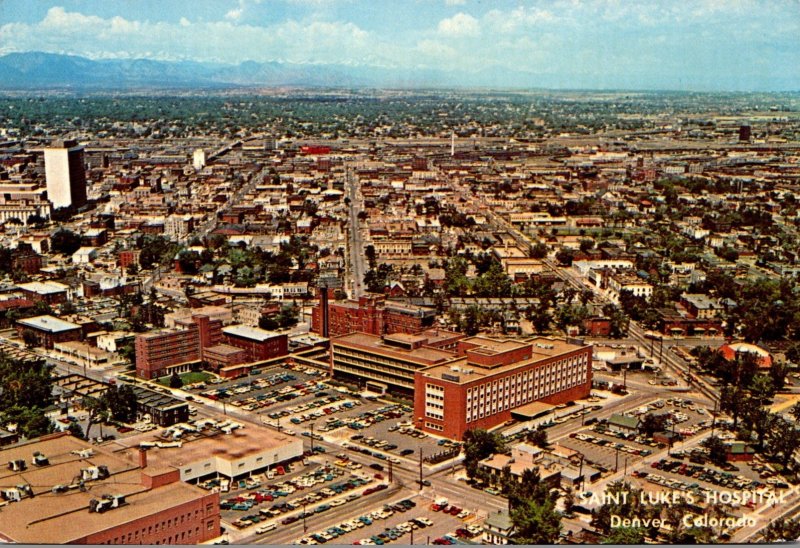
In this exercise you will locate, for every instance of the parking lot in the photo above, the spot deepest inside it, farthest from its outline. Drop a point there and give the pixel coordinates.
(389, 432)
(396, 522)
(309, 489)
(611, 450)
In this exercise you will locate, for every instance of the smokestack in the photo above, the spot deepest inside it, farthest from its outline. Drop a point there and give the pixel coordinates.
(323, 305)
(142, 458)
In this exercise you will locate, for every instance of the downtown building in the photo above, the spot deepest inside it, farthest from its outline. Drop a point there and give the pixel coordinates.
(462, 383)
(59, 489)
(65, 174)
(494, 377)
(371, 314)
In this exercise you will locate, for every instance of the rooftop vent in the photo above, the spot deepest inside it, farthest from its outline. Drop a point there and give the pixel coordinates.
(106, 503)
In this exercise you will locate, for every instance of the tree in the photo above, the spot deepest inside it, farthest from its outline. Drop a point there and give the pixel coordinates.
(565, 256)
(75, 429)
(478, 445)
(175, 380)
(471, 320)
(536, 523)
(783, 439)
(65, 242)
(625, 535)
(539, 251)
(31, 421)
(538, 437)
(652, 423)
(621, 499)
(540, 317)
(97, 412)
(287, 317)
(121, 403)
(717, 450)
(29, 337)
(369, 252)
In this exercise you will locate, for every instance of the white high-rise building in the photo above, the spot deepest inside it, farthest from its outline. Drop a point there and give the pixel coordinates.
(65, 174)
(199, 159)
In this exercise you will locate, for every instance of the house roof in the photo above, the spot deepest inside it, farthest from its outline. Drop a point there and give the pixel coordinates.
(499, 520)
(624, 421)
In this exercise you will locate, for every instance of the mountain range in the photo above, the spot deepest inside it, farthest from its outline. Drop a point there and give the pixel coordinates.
(37, 70)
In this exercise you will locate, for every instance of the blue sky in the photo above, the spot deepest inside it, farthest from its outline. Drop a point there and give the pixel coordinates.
(671, 44)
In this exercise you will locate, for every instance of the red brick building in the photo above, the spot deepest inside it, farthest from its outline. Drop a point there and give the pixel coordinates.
(258, 343)
(597, 326)
(48, 292)
(374, 315)
(120, 501)
(494, 377)
(161, 352)
(49, 330)
(220, 356)
(26, 259)
(127, 258)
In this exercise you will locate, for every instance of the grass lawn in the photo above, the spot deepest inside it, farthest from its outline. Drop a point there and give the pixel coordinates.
(188, 378)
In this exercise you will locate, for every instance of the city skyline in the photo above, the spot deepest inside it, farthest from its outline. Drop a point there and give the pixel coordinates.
(711, 46)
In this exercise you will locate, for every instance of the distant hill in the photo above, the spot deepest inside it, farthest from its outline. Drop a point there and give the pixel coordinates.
(36, 70)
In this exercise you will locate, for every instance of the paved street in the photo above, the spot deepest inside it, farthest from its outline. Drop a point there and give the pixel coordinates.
(356, 243)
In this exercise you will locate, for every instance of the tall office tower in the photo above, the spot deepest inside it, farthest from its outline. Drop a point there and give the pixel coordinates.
(744, 133)
(199, 159)
(65, 174)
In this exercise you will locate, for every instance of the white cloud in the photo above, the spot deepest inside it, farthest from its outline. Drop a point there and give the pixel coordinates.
(230, 41)
(234, 14)
(455, 2)
(435, 49)
(461, 24)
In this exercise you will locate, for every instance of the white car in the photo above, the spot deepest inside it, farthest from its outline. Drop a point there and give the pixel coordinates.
(265, 528)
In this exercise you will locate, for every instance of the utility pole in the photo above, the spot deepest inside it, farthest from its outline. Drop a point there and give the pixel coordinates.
(305, 527)
(390, 471)
(616, 460)
(420, 467)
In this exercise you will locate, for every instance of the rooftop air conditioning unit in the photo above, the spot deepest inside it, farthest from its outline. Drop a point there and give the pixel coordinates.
(84, 453)
(17, 465)
(11, 495)
(39, 459)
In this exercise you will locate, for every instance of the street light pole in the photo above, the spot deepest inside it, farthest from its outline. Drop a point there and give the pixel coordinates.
(420, 467)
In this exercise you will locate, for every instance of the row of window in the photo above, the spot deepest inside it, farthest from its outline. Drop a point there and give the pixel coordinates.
(138, 536)
(524, 387)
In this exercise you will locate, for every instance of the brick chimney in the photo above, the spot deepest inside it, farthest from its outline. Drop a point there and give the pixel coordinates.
(142, 458)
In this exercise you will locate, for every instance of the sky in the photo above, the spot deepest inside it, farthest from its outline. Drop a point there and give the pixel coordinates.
(665, 44)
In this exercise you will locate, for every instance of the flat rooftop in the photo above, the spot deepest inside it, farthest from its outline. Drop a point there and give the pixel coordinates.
(59, 518)
(43, 288)
(50, 324)
(542, 349)
(374, 343)
(247, 441)
(247, 332)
